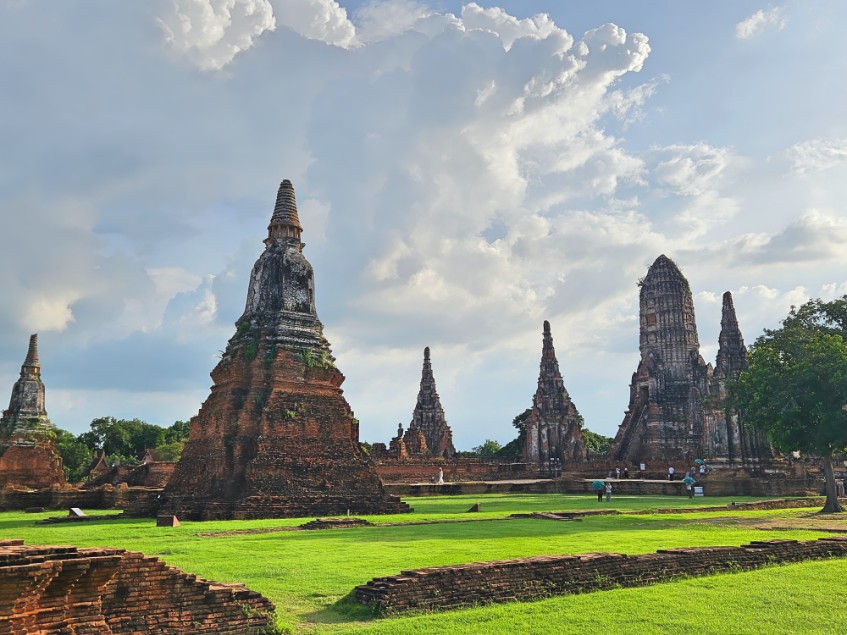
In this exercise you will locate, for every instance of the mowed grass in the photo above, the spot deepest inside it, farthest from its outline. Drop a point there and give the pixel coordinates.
(306, 573)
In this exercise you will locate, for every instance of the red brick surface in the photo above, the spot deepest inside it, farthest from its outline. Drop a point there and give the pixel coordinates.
(103, 591)
(542, 576)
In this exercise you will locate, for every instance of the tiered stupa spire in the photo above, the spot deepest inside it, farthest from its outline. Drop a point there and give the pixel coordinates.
(285, 222)
(732, 354)
(28, 456)
(276, 437)
(281, 296)
(428, 416)
(677, 410)
(26, 412)
(554, 427)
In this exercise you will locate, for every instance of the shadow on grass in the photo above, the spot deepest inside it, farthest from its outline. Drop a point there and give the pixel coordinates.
(343, 611)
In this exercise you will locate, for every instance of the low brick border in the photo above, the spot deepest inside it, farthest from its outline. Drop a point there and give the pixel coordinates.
(56, 590)
(544, 576)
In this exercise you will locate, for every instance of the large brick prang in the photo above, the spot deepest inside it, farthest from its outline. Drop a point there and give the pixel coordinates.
(276, 437)
(28, 455)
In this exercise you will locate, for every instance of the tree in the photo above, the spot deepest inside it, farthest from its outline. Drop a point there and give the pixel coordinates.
(488, 449)
(170, 452)
(126, 440)
(514, 448)
(596, 442)
(795, 388)
(76, 455)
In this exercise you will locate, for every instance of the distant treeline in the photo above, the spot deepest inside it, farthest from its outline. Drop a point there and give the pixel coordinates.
(123, 440)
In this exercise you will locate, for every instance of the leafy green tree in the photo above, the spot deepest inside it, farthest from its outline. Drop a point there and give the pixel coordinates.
(177, 432)
(170, 452)
(795, 388)
(126, 440)
(514, 448)
(488, 449)
(595, 442)
(76, 455)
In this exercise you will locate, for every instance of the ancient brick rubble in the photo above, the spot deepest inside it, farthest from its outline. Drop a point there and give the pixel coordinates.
(29, 458)
(276, 438)
(542, 576)
(675, 411)
(428, 432)
(104, 591)
(554, 428)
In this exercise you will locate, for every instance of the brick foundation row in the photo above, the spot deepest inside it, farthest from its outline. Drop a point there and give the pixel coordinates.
(52, 590)
(543, 576)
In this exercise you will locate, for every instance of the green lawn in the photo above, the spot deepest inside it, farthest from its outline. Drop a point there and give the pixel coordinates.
(307, 573)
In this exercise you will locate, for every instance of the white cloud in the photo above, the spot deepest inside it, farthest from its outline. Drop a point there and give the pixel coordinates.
(760, 22)
(509, 28)
(690, 170)
(817, 154)
(460, 179)
(817, 236)
(212, 32)
(42, 313)
(323, 20)
(380, 19)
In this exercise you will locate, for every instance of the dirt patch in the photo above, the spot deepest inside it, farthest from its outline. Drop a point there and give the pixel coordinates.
(829, 523)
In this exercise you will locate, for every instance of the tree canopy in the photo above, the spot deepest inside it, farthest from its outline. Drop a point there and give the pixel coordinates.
(123, 440)
(795, 388)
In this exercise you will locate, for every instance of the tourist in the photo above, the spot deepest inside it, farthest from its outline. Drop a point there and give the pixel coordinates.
(608, 492)
(440, 480)
(618, 472)
(600, 494)
(626, 472)
(702, 470)
(670, 473)
(839, 488)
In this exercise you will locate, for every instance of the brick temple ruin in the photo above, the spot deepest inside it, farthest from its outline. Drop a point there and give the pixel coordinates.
(428, 434)
(554, 428)
(29, 457)
(60, 590)
(675, 411)
(276, 438)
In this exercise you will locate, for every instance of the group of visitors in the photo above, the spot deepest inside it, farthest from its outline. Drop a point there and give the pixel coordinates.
(618, 473)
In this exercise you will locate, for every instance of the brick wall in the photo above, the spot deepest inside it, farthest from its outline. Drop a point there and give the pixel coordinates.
(141, 499)
(542, 576)
(102, 591)
(417, 470)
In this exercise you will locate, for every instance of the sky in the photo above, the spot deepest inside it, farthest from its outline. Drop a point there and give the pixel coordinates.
(464, 171)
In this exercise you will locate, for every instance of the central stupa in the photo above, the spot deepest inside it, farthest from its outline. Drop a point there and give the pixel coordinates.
(276, 438)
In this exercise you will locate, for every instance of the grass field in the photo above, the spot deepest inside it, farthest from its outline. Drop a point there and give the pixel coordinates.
(306, 573)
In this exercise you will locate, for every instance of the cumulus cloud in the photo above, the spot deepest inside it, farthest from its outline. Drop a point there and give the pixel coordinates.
(690, 170)
(760, 22)
(212, 32)
(380, 19)
(817, 236)
(509, 28)
(817, 154)
(323, 20)
(460, 178)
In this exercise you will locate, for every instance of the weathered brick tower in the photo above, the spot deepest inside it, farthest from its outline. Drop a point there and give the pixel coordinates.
(675, 413)
(554, 428)
(428, 419)
(276, 438)
(29, 457)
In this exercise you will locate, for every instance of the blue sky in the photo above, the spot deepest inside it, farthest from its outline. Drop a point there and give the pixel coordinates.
(464, 171)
